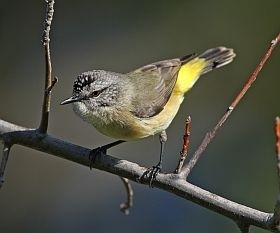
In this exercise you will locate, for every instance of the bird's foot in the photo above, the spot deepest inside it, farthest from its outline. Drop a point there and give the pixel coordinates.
(151, 173)
(96, 153)
(102, 150)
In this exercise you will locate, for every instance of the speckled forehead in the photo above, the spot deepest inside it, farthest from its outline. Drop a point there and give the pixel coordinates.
(85, 80)
(96, 78)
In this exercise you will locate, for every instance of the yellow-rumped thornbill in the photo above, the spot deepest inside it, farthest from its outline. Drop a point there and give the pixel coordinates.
(143, 102)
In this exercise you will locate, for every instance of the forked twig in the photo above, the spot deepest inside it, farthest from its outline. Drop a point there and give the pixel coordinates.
(54, 81)
(125, 206)
(49, 83)
(210, 135)
(185, 148)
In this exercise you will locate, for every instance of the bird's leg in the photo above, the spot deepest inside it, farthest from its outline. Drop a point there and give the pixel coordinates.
(153, 172)
(162, 139)
(98, 151)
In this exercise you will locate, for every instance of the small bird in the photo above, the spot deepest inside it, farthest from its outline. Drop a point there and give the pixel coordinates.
(143, 102)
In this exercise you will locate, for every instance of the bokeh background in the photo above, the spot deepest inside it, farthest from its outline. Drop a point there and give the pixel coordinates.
(43, 193)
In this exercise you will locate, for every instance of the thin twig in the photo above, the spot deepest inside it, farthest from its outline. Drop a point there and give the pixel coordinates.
(125, 206)
(5, 156)
(48, 76)
(185, 148)
(277, 149)
(210, 135)
(243, 227)
(277, 146)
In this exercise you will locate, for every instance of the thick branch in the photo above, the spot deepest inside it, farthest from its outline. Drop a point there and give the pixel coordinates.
(168, 182)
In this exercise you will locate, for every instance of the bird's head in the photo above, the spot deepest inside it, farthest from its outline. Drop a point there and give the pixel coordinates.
(95, 89)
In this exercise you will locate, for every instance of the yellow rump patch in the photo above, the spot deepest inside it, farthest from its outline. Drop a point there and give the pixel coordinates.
(188, 75)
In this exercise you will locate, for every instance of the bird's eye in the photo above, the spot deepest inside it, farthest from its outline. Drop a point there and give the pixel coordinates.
(95, 93)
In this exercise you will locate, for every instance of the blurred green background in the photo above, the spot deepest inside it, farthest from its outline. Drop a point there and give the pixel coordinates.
(43, 193)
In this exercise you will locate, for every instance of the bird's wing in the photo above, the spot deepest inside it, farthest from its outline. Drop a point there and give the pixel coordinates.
(153, 85)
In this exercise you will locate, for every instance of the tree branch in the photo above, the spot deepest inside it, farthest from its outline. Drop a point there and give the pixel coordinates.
(49, 83)
(172, 183)
(210, 135)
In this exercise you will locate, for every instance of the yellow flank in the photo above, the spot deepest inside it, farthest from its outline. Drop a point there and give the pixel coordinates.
(188, 75)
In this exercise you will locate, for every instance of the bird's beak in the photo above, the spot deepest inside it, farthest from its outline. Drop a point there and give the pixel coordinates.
(72, 99)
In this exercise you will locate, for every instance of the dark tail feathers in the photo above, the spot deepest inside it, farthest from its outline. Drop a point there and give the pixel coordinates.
(217, 57)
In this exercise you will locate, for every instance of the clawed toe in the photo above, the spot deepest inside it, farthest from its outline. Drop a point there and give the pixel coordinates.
(102, 150)
(151, 174)
(95, 154)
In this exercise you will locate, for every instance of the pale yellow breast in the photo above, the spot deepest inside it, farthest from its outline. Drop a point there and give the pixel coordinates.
(127, 127)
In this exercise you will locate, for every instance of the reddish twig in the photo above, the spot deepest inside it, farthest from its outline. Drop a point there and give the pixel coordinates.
(276, 216)
(129, 192)
(185, 148)
(48, 76)
(277, 147)
(277, 134)
(210, 135)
